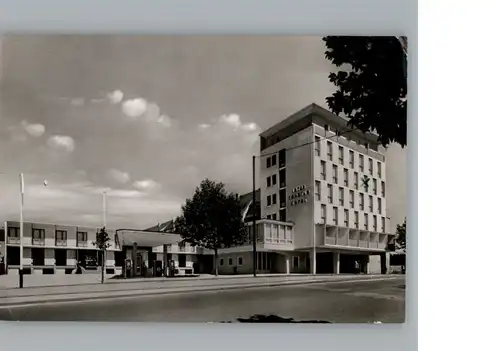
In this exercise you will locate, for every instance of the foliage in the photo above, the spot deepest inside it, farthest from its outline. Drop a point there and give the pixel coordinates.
(212, 218)
(401, 235)
(370, 76)
(102, 241)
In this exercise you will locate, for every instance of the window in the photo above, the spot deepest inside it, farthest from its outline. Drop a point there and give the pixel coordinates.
(282, 178)
(374, 223)
(341, 196)
(81, 239)
(329, 150)
(335, 174)
(383, 189)
(282, 158)
(221, 262)
(330, 194)
(371, 203)
(370, 166)
(366, 221)
(273, 217)
(379, 169)
(283, 215)
(268, 162)
(13, 236)
(61, 237)
(356, 219)
(341, 155)
(351, 198)
(268, 200)
(356, 180)
(240, 261)
(295, 261)
(362, 201)
(269, 216)
(274, 199)
(268, 179)
(383, 224)
(335, 215)
(361, 163)
(273, 160)
(317, 145)
(351, 158)
(346, 177)
(323, 212)
(374, 186)
(274, 179)
(317, 190)
(282, 198)
(38, 236)
(323, 170)
(379, 203)
(346, 218)
(230, 261)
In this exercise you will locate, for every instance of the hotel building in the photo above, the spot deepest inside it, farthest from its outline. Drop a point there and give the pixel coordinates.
(322, 200)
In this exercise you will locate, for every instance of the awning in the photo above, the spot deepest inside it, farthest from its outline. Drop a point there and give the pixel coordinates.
(145, 239)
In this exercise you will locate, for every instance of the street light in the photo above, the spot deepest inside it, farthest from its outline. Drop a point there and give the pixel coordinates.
(21, 228)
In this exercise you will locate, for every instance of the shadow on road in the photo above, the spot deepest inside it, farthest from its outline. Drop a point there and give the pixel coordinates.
(271, 318)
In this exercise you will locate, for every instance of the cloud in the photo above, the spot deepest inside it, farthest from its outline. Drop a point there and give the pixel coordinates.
(250, 127)
(146, 184)
(115, 97)
(119, 176)
(164, 121)
(62, 142)
(77, 101)
(204, 126)
(134, 107)
(36, 130)
(232, 120)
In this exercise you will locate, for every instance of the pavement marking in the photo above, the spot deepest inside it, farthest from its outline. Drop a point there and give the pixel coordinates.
(174, 293)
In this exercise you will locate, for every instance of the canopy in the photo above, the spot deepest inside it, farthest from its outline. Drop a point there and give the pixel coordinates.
(145, 238)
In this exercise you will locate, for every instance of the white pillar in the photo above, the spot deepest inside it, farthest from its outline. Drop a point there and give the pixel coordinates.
(287, 263)
(312, 260)
(336, 263)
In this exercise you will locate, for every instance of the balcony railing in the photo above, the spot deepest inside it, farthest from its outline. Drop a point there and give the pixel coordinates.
(13, 240)
(270, 240)
(61, 242)
(38, 242)
(82, 244)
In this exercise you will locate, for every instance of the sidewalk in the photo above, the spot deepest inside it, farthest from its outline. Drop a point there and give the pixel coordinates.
(11, 297)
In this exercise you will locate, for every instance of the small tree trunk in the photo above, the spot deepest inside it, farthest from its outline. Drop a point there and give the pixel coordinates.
(103, 265)
(216, 263)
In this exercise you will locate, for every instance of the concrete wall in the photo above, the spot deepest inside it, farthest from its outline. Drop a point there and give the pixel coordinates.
(298, 172)
(245, 268)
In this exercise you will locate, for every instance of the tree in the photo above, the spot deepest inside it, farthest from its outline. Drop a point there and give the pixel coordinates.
(212, 219)
(401, 235)
(370, 77)
(102, 243)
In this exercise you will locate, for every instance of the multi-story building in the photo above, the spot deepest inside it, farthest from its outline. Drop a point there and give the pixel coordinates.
(56, 249)
(322, 196)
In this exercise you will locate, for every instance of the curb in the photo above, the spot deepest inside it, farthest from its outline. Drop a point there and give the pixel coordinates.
(182, 290)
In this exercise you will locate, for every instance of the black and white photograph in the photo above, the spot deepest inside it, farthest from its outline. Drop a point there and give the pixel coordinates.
(207, 179)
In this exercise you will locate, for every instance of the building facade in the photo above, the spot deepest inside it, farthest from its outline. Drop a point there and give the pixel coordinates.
(56, 249)
(322, 198)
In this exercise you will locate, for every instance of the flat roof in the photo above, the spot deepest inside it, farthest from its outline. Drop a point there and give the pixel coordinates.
(314, 110)
(145, 238)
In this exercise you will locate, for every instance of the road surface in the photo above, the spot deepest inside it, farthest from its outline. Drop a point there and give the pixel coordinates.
(378, 300)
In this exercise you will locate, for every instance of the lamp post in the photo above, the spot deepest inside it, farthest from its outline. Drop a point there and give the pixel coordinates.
(254, 219)
(21, 228)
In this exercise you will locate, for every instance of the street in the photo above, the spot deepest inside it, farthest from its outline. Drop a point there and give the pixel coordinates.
(377, 300)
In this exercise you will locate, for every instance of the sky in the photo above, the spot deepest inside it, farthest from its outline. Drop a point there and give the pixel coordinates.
(146, 119)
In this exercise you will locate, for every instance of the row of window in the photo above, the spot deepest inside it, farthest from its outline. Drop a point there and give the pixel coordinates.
(271, 160)
(351, 157)
(230, 261)
(364, 182)
(318, 197)
(39, 235)
(356, 218)
(272, 179)
(274, 217)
